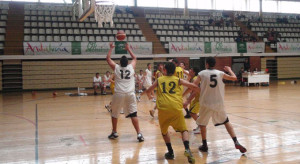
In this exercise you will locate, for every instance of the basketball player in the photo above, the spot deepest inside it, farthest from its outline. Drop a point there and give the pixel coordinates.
(124, 96)
(140, 81)
(112, 88)
(169, 104)
(159, 73)
(212, 101)
(194, 107)
(148, 81)
(179, 72)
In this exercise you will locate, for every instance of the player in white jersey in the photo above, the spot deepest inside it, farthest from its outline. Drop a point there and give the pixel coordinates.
(148, 81)
(124, 96)
(212, 101)
(140, 81)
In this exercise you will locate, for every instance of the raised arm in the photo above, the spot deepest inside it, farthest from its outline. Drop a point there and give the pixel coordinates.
(110, 62)
(231, 76)
(133, 61)
(192, 86)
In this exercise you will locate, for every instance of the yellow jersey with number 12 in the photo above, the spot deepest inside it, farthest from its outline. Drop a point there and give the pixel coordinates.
(169, 93)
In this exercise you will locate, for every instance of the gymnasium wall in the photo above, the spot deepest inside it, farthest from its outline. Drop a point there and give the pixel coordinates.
(66, 74)
(221, 62)
(288, 67)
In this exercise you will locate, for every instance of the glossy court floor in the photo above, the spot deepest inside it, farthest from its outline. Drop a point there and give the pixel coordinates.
(75, 129)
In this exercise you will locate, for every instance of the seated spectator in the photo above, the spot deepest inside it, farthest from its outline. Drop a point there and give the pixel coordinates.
(106, 82)
(97, 83)
(186, 26)
(118, 11)
(129, 11)
(197, 27)
(211, 21)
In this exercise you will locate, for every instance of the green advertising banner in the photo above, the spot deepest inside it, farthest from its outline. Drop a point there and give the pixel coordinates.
(241, 47)
(207, 47)
(76, 48)
(120, 47)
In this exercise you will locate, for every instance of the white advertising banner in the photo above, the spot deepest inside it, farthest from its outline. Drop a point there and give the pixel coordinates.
(288, 47)
(144, 48)
(47, 48)
(186, 48)
(255, 47)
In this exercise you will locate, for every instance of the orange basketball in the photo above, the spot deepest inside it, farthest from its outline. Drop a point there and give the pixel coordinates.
(121, 35)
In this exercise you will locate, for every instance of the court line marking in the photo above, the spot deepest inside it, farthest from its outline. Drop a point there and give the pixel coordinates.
(36, 135)
(82, 140)
(20, 117)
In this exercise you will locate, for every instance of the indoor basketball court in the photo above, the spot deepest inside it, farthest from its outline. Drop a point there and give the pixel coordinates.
(51, 110)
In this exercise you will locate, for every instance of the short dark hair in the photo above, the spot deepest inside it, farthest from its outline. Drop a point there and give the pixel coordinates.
(97, 73)
(148, 64)
(141, 70)
(211, 62)
(183, 63)
(196, 70)
(160, 64)
(170, 67)
(124, 61)
(107, 72)
(175, 61)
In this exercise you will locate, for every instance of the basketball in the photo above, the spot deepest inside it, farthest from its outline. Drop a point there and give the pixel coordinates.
(121, 35)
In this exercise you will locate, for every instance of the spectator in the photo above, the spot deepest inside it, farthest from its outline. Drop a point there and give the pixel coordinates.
(197, 27)
(106, 82)
(118, 11)
(210, 21)
(97, 83)
(247, 65)
(186, 26)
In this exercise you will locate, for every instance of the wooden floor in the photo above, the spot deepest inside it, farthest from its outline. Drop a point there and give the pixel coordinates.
(75, 129)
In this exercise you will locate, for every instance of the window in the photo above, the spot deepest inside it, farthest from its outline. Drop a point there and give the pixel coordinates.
(289, 7)
(147, 3)
(269, 6)
(224, 5)
(125, 2)
(253, 5)
(56, 1)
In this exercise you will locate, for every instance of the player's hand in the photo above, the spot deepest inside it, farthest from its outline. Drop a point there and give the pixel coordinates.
(127, 47)
(227, 69)
(111, 45)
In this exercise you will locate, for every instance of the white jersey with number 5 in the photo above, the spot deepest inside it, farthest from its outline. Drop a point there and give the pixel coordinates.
(212, 89)
(124, 79)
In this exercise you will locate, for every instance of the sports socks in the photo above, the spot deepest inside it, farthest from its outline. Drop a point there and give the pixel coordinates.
(186, 144)
(169, 146)
(204, 142)
(235, 140)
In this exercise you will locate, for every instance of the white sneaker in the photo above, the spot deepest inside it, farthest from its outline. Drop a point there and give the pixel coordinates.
(122, 112)
(197, 130)
(138, 98)
(153, 100)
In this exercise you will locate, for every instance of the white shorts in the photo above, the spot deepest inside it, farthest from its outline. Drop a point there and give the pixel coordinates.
(147, 86)
(219, 117)
(127, 101)
(97, 84)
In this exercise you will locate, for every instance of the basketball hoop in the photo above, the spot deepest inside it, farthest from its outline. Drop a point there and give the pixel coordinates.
(104, 11)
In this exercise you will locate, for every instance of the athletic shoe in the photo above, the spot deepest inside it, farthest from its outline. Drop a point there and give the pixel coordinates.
(113, 135)
(153, 100)
(197, 130)
(203, 148)
(240, 147)
(108, 108)
(122, 112)
(140, 137)
(138, 98)
(140, 91)
(95, 93)
(169, 155)
(152, 111)
(187, 116)
(189, 155)
(104, 93)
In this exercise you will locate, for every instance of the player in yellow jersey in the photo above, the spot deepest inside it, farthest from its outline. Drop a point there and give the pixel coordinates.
(159, 73)
(194, 103)
(169, 104)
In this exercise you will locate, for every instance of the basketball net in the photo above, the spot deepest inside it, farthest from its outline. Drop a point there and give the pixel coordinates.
(104, 11)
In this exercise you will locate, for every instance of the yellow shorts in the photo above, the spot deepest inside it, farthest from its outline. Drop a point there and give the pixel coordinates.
(112, 88)
(195, 107)
(172, 118)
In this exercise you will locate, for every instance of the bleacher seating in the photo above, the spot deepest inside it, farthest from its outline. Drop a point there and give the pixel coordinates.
(170, 28)
(290, 32)
(3, 18)
(55, 23)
